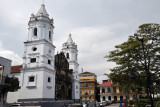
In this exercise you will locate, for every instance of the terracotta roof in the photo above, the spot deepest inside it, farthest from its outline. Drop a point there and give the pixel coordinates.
(16, 69)
(105, 84)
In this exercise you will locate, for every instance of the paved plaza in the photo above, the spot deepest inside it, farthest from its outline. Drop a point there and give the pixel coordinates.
(113, 105)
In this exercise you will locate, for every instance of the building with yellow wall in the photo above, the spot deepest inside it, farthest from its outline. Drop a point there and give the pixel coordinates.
(88, 84)
(113, 92)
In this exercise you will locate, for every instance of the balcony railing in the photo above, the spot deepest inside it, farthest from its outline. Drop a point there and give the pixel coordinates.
(87, 94)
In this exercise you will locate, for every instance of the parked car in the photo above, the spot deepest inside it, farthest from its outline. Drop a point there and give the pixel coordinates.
(109, 102)
(100, 103)
(97, 104)
(103, 103)
(84, 104)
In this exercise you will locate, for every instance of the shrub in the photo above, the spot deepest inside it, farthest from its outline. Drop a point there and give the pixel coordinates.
(131, 102)
(157, 104)
(141, 102)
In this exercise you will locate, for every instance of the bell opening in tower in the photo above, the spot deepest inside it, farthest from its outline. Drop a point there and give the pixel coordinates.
(35, 31)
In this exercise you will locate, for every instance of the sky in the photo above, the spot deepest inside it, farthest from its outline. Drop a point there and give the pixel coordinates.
(96, 27)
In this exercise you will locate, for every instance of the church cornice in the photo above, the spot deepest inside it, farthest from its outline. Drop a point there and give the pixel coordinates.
(73, 62)
(39, 19)
(38, 68)
(39, 41)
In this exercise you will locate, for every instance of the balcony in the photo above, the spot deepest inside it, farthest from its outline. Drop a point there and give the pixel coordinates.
(87, 94)
(87, 86)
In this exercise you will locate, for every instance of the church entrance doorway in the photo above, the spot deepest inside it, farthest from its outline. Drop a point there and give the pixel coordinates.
(115, 98)
(63, 94)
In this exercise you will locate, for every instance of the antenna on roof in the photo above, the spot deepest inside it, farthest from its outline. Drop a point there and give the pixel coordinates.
(82, 69)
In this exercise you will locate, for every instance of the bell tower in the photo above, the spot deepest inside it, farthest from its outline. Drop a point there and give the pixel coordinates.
(38, 74)
(70, 50)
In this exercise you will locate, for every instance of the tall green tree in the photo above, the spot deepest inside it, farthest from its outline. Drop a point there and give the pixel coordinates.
(139, 54)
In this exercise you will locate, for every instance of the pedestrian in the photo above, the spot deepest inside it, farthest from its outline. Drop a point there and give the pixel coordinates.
(120, 103)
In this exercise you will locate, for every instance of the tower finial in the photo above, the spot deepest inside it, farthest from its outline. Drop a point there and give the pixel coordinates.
(70, 34)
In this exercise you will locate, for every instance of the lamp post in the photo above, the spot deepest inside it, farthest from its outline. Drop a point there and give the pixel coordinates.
(134, 76)
(140, 37)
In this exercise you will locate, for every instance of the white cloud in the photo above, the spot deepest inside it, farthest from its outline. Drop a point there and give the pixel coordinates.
(102, 77)
(96, 26)
(16, 59)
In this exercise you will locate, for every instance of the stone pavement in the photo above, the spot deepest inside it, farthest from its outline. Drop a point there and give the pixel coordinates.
(113, 105)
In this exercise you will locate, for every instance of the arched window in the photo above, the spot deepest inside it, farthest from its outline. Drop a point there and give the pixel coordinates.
(35, 31)
(133, 96)
(104, 98)
(115, 98)
(108, 89)
(50, 35)
(109, 97)
(121, 98)
(114, 89)
(103, 90)
(67, 55)
(127, 97)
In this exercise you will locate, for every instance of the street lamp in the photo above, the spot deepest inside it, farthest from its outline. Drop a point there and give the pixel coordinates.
(134, 76)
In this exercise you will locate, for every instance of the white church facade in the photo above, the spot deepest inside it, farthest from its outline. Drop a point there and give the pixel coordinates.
(37, 76)
(70, 50)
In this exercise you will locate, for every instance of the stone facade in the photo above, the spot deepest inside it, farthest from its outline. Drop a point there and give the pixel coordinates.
(63, 88)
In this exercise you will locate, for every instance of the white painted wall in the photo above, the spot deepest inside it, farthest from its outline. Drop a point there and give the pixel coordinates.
(40, 69)
(40, 88)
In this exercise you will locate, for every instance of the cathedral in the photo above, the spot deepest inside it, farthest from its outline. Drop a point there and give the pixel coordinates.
(43, 75)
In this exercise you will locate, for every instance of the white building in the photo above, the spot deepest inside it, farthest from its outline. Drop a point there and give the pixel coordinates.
(70, 50)
(5, 68)
(37, 76)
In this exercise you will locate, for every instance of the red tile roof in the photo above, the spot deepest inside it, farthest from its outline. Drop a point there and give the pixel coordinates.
(105, 84)
(16, 69)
